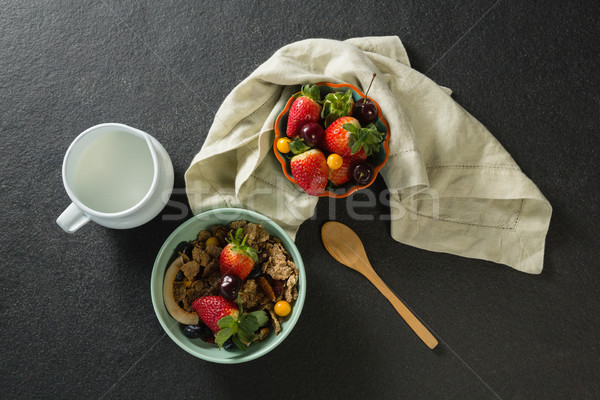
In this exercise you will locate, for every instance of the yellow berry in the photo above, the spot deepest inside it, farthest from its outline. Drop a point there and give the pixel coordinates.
(334, 161)
(283, 145)
(282, 308)
(213, 241)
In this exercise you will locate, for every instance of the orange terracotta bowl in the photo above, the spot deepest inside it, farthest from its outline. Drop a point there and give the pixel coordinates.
(377, 160)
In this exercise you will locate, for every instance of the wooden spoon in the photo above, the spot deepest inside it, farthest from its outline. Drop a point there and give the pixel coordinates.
(346, 247)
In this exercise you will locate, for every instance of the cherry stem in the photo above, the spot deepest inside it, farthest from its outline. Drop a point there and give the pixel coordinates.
(369, 88)
(359, 180)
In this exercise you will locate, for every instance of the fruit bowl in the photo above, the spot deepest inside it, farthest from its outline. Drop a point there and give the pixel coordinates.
(188, 231)
(377, 159)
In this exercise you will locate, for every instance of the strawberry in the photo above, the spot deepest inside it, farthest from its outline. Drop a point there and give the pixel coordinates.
(337, 105)
(228, 321)
(344, 173)
(237, 257)
(310, 171)
(305, 108)
(211, 309)
(345, 136)
(337, 137)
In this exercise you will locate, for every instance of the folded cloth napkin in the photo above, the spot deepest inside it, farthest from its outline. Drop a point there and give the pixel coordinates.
(453, 187)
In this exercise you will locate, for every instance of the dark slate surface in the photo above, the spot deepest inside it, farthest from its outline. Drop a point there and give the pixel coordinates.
(75, 310)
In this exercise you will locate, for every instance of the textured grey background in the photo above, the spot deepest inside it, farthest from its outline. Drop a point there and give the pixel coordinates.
(75, 311)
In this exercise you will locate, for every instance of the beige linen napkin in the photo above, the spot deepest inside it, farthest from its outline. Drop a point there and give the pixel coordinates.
(453, 187)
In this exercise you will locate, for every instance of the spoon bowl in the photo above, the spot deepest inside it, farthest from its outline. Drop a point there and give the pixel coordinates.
(346, 247)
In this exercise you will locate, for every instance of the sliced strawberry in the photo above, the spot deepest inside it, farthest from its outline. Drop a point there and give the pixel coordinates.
(305, 108)
(310, 171)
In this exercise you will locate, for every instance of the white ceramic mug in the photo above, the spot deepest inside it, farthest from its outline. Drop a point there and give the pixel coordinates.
(116, 176)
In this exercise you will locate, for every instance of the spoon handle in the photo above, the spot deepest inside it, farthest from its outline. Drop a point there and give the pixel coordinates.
(404, 312)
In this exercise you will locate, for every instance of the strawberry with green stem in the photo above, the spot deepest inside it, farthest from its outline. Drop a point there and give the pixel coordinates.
(346, 137)
(337, 105)
(228, 320)
(211, 309)
(237, 257)
(309, 168)
(305, 108)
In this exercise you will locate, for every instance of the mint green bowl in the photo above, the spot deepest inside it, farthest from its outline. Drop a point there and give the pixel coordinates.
(188, 231)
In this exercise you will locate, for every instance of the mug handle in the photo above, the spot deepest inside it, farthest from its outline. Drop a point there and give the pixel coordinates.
(72, 219)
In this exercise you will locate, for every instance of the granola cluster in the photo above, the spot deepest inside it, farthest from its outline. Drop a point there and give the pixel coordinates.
(274, 278)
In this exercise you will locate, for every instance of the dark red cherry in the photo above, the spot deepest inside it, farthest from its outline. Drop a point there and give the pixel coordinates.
(229, 286)
(362, 173)
(365, 111)
(312, 133)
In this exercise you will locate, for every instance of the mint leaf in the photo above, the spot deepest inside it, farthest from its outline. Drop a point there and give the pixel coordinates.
(238, 300)
(222, 336)
(244, 335)
(352, 139)
(313, 92)
(330, 119)
(355, 148)
(261, 317)
(298, 146)
(367, 138)
(325, 110)
(226, 322)
(347, 95)
(350, 127)
(248, 323)
(238, 343)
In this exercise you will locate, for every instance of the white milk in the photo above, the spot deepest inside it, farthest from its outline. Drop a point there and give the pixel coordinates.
(114, 172)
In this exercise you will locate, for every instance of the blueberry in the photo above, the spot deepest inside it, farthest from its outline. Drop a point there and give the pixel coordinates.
(197, 331)
(263, 256)
(180, 276)
(192, 331)
(256, 271)
(229, 345)
(184, 247)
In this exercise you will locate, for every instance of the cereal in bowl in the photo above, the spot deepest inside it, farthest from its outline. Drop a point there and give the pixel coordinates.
(232, 285)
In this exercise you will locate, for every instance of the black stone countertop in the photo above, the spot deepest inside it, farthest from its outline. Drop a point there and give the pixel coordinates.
(76, 315)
